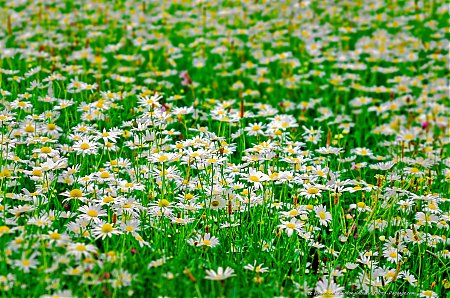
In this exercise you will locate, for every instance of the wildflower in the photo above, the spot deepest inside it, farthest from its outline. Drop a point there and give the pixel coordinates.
(121, 278)
(157, 263)
(392, 255)
(163, 157)
(411, 279)
(74, 194)
(361, 207)
(81, 250)
(428, 293)
(104, 230)
(206, 241)
(294, 225)
(257, 177)
(362, 152)
(130, 226)
(325, 288)
(217, 203)
(323, 215)
(92, 212)
(255, 129)
(85, 147)
(310, 191)
(221, 274)
(27, 263)
(257, 269)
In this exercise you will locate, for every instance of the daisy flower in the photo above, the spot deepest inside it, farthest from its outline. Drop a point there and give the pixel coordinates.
(104, 230)
(255, 129)
(85, 146)
(257, 269)
(413, 171)
(361, 207)
(163, 157)
(299, 211)
(81, 250)
(150, 102)
(92, 212)
(257, 177)
(392, 255)
(74, 194)
(410, 278)
(27, 263)
(310, 191)
(323, 215)
(130, 226)
(157, 263)
(217, 203)
(294, 225)
(428, 293)
(325, 288)
(207, 241)
(221, 274)
(362, 152)
(141, 240)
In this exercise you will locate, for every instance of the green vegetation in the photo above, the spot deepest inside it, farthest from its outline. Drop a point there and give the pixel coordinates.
(224, 148)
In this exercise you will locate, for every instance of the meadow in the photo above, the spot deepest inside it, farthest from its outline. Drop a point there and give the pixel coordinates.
(224, 148)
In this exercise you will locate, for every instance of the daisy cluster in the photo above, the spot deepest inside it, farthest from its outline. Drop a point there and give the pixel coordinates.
(282, 148)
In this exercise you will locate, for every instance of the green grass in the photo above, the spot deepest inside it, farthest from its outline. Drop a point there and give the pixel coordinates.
(303, 146)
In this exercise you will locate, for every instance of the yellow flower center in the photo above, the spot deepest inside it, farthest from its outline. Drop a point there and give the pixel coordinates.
(163, 158)
(105, 175)
(37, 173)
(322, 215)
(254, 178)
(107, 228)
(361, 205)
(55, 236)
(328, 294)
(293, 213)
(4, 230)
(313, 190)
(80, 247)
(92, 213)
(163, 203)
(84, 146)
(75, 193)
(46, 150)
(29, 129)
(108, 199)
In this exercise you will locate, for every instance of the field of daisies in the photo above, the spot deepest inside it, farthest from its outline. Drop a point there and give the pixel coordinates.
(217, 148)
